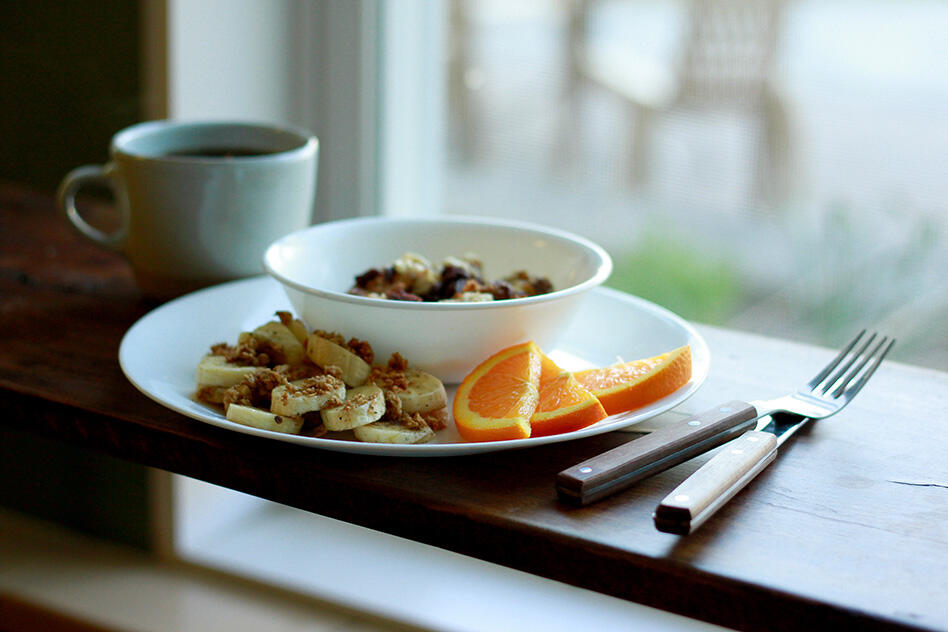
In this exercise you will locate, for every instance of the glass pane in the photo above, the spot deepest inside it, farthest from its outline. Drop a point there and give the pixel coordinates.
(772, 166)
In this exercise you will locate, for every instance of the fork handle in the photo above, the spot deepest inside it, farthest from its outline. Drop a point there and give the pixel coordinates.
(714, 483)
(666, 447)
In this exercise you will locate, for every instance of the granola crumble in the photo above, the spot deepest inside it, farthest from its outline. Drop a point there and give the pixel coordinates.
(394, 412)
(294, 372)
(356, 401)
(251, 350)
(436, 419)
(390, 377)
(412, 277)
(315, 386)
(254, 390)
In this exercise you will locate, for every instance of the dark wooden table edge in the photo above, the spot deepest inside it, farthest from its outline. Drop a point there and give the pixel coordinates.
(654, 582)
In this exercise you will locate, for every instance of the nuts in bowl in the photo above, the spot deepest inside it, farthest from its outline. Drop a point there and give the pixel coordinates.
(412, 277)
(527, 284)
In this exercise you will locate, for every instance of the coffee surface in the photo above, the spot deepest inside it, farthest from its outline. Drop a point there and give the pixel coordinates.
(220, 152)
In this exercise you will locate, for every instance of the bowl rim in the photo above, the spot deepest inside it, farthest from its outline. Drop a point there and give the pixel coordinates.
(602, 270)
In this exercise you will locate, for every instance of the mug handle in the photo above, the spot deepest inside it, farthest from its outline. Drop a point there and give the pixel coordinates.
(66, 198)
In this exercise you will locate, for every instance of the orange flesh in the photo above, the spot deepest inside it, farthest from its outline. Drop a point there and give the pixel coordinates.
(631, 385)
(496, 400)
(564, 404)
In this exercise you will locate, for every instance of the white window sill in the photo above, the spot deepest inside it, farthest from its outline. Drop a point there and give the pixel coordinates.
(53, 578)
(312, 573)
(387, 576)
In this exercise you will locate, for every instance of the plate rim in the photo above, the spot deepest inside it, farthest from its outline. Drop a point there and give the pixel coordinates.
(700, 368)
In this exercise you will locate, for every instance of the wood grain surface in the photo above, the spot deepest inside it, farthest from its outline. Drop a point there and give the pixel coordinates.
(848, 528)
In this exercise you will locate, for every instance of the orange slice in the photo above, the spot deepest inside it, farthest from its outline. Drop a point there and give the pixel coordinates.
(496, 400)
(630, 385)
(565, 404)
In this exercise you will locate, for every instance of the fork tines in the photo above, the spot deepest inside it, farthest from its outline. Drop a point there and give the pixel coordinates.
(849, 364)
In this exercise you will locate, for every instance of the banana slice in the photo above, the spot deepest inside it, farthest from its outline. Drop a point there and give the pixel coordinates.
(215, 370)
(418, 391)
(363, 405)
(299, 330)
(265, 420)
(280, 335)
(326, 353)
(307, 395)
(424, 393)
(392, 432)
(295, 325)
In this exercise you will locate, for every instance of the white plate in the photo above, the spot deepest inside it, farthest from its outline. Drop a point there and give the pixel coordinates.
(160, 352)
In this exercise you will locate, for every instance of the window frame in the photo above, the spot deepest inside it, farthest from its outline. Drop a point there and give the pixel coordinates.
(337, 68)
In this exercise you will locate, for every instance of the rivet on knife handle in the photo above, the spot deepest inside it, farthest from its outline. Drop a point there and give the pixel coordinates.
(666, 447)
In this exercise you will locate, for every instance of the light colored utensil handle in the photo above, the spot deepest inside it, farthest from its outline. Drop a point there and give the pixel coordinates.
(666, 447)
(715, 483)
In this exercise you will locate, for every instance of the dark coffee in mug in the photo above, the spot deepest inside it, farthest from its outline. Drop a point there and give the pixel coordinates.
(220, 152)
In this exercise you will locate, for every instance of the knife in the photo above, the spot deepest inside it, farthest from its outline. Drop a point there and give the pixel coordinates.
(657, 451)
(690, 504)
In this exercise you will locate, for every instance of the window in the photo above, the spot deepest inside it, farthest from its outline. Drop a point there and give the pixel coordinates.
(773, 166)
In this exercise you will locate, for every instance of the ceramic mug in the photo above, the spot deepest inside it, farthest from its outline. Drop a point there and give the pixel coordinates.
(199, 201)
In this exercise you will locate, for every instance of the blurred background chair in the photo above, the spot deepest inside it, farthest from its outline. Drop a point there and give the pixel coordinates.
(724, 61)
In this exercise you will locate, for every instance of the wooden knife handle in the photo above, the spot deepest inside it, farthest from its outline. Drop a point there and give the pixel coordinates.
(626, 464)
(715, 483)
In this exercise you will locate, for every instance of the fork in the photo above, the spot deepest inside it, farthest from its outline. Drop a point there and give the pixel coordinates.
(717, 481)
(617, 469)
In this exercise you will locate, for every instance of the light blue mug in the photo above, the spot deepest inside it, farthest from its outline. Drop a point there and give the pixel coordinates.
(199, 201)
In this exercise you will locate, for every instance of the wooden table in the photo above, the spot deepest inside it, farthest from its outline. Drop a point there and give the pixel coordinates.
(848, 529)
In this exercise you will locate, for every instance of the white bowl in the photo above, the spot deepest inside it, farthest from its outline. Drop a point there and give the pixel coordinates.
(317, 266)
